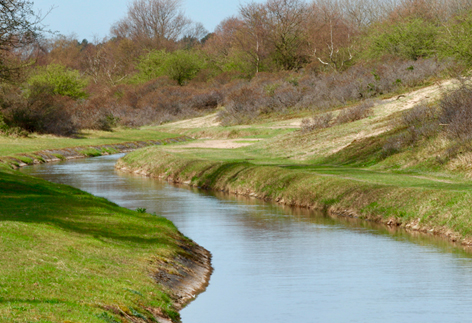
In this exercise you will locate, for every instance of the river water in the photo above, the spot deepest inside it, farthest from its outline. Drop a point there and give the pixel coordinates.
(275, 264)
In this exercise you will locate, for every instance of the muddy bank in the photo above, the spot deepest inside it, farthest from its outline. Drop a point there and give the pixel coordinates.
(185, 278)
(182, 278)
(335, 197)
(55, 155)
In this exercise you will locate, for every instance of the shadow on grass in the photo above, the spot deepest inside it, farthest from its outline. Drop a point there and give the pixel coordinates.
(31, 200)
(32, 301)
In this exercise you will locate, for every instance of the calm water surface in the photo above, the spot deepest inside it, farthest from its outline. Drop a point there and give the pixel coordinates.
(275, 264)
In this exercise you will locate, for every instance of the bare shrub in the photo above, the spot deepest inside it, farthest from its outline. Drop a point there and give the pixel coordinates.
(418, 115)
(358, 112)
(241, 105)
(317, 122)
(44, 113)
(456, 113)
(397, 143)
(418, 123)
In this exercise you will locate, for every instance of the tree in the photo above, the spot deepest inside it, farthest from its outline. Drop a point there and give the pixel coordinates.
(20, 26)
(252, 36)
(110, 61)
(155, 24)
(180, 66)
(331, 34)
(285, 20)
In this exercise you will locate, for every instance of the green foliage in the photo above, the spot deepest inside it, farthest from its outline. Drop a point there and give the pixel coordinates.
(57, 79)
(410, 39)
(180, 66)
(456, 41)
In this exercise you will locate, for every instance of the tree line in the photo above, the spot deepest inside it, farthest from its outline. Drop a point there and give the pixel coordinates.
(55, 83)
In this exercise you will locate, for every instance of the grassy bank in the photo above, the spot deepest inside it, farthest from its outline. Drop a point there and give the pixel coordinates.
(425, 204)
(67, 256)
(10, 146)
(17, 152)
(343, 168)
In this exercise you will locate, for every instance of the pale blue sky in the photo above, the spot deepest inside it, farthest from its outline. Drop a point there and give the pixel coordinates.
(89, 18)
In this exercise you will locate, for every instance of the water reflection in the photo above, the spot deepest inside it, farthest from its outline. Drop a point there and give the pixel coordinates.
(279, 264)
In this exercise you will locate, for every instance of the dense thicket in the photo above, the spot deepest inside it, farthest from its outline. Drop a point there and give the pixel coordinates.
(158, 65)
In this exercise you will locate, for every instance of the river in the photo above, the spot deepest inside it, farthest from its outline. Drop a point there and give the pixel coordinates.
(277, 264)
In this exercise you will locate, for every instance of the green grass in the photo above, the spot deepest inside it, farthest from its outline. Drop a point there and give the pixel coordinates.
(370, 194)
(10, 146)
(67, 256)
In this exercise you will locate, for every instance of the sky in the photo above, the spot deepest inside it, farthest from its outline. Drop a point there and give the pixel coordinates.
(90, 19)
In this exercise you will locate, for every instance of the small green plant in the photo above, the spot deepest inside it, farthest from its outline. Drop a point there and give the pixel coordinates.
(132, 290)
(141, 210)
(107, 318)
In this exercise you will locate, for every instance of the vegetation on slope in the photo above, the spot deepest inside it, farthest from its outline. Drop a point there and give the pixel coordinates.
(278, 56)
(347, 167)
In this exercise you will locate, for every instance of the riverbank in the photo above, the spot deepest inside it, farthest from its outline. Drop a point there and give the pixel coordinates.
(60, 154)
(68, 255)
(343, 169)
(420, 207)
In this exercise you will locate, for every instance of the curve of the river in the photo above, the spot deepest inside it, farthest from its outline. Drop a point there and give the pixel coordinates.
(275, 264)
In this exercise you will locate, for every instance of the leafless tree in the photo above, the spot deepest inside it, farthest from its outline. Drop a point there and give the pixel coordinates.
(20, 26)
(330, 34)
(252, 36)
(154, 23)
(285, 25)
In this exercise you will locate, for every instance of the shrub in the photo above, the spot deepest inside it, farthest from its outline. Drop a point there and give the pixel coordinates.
(411, 38)
(419, 115)
(456, 113)
(358, 112)
(180, 66)
(317, 122)
(57, 80)
(241, 105)
(455, 40)
(415, 124)
(44, 114)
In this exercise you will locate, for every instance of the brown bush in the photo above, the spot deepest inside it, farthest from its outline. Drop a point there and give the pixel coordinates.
(241, 105)
(419, 115)
(43, 113)
(317, 122)
(358, 112)
(418, 123)
(456, 113)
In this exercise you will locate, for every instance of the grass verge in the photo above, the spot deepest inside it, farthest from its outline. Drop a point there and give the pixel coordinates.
(67, 256)
(418, 203)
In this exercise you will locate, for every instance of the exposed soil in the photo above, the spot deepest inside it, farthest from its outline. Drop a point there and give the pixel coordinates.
(187, 277)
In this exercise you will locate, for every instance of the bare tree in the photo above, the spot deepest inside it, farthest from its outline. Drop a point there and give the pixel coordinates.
(331, 34)
(20, 26)
(252, 36)
(221, 44)
(153, 23)
(285, 20)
